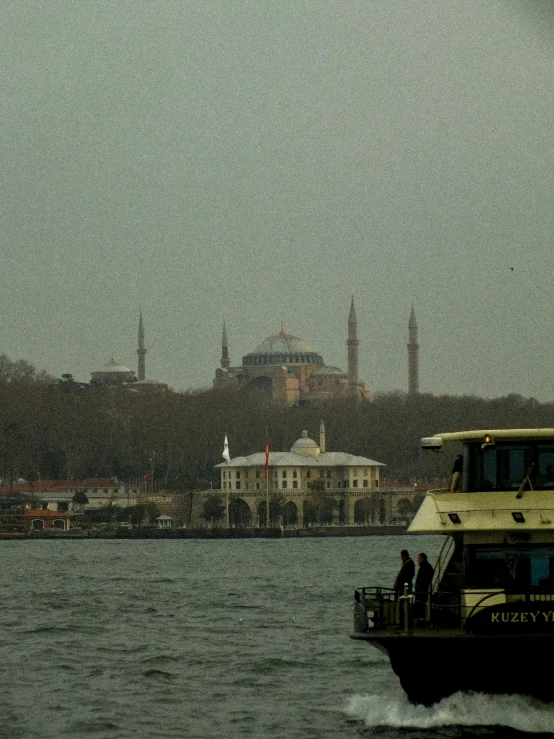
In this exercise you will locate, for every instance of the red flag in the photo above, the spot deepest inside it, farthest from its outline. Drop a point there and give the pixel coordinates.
(266, 454)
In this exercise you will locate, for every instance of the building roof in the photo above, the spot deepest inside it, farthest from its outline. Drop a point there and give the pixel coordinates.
(283, 349)
(304, 442)
(37, 487)
(290, 459)
(282, 343)
(91, 482)
(438, 440)
(113, 366)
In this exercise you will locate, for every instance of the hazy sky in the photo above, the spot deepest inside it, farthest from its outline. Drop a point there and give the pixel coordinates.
(262, 161)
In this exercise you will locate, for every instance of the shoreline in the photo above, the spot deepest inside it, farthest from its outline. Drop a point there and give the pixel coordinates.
(214, 533)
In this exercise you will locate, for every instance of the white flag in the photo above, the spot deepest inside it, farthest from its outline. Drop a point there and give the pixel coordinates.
(226, 456)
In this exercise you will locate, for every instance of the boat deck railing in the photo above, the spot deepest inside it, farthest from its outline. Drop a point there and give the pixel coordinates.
(381, 609)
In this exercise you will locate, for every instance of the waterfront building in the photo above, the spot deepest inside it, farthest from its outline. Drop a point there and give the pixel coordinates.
(41, 519)
(306, 485)
(57, 495)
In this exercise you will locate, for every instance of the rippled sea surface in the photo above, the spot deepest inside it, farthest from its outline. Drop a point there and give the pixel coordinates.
(198, 639)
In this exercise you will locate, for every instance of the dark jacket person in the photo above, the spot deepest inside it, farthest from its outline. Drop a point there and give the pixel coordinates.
(422, 584)
(405, 574)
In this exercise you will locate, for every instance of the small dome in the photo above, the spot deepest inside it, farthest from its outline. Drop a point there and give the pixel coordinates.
(113, 366)
(112, 373)
(305, 445)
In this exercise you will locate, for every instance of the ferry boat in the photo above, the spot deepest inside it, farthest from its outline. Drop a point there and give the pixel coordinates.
(486, 623)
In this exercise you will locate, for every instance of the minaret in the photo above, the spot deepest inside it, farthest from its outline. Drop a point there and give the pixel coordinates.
(413, 356)
(321, 437)
(141, 351)
(353, 344)
(225, 361)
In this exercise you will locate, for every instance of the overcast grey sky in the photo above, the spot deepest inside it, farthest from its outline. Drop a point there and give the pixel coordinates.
(261, 162)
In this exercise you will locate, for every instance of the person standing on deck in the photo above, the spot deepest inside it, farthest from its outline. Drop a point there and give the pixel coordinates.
(422, 584)
(457, 473)
(405, 574)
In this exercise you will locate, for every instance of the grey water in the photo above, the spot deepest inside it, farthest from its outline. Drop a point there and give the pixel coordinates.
(201, 639)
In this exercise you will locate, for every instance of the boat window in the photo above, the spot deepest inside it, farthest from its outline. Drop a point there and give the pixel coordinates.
(545, 467)
(502, 467)
(513, 463)
(488, 469)
(511, 568)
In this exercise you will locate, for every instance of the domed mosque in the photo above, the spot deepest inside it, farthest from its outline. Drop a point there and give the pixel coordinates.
(114, 374)
(290, 370)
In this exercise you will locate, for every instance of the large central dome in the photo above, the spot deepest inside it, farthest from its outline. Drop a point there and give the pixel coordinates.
(282, 349)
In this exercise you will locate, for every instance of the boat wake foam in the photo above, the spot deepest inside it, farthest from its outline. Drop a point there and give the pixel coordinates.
(517, 712)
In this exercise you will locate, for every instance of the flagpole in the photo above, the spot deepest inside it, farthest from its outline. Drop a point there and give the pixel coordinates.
(267, 499)
(266, 479)
(227, 497)
(227, 457)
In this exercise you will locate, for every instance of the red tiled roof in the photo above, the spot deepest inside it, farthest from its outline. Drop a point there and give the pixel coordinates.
(31, 513)
(39, 486)
(57, 486)
(90, 482)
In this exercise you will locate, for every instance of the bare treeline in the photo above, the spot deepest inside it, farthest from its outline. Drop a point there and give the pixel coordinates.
(63, 430)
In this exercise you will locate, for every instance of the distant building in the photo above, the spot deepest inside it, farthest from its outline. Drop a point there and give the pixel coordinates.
(141, 351)
(298, 480)
(41, 519)
(283, 365)
(291, 371)
(57, 495)
(413, 355)
(114, 374)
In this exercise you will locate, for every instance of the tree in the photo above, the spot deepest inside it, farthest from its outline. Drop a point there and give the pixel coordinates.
(214, 510)
(320, 505)
(276, 509)
(69, 383)
(136, 514)
(369, 507)
(33, 501)
(152, 512)
(407, 507)
(57, 431)
(80, 499)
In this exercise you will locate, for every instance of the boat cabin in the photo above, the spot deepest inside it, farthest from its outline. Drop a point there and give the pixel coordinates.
(498, 556)
(488, 615)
